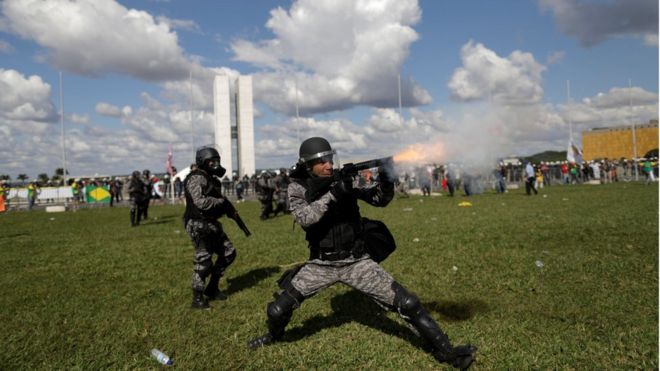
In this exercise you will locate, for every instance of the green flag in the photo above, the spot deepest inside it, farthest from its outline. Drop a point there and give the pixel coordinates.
(96, 194)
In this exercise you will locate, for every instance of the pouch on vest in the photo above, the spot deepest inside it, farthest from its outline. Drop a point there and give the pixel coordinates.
(378, 240)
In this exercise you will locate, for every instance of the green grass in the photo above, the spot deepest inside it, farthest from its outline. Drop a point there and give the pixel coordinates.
(84, 291)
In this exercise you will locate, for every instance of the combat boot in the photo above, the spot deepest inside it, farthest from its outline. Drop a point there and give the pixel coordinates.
(199, 301)
(460, 357)
(212, 291)
(261, 341)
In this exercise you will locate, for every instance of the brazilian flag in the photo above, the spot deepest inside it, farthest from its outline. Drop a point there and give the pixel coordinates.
(97, 195)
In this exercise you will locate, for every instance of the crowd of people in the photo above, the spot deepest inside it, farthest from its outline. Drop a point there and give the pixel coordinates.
(453, 177)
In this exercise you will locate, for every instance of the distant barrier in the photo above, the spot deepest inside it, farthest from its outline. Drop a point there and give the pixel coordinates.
(17, 197)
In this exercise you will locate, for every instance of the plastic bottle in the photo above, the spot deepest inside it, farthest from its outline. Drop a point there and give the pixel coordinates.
(161, 357)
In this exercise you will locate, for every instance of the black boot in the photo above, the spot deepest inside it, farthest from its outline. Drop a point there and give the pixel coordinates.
(279, 313)
(212, 291)
(460, 357)
(412, 311)
(199, 302)
(261, 341)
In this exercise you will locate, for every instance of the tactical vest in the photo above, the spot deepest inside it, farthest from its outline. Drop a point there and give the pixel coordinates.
(213, 189)
(338, 230)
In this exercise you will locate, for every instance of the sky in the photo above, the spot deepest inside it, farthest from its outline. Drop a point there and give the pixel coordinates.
(440, 81)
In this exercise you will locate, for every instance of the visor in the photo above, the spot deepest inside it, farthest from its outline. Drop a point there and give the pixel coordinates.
(325, 156)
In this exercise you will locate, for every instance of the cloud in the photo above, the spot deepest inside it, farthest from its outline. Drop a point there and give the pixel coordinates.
(484, 74)
(334, 55)
(555, 57)
(593, 22)
(106, 109)
(622, 97)
(181, 24)
(25, 98)
(100, 37)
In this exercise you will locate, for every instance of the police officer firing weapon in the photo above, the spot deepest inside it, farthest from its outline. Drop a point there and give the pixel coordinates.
(204, 205)
(346, 248)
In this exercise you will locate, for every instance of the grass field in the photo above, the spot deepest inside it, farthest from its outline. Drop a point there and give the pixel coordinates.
(85, 291)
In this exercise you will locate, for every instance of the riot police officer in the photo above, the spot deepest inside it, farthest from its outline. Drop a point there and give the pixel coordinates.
(327, 209)
(265, 191)
(143, 207)
(281, 184)
(137, 193)
(204, 205)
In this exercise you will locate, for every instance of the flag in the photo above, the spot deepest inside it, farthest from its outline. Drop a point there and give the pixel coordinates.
(168, 163)
(573, 154)
(97, 195)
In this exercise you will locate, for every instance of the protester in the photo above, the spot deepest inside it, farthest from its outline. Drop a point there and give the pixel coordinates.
(530, 179)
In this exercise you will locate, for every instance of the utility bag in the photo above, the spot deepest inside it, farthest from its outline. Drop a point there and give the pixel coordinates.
(378, 241)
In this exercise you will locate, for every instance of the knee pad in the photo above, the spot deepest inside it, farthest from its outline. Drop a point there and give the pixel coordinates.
(406, 303)
(280, 310)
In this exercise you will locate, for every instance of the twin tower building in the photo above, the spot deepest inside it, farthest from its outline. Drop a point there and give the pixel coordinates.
(242, 132)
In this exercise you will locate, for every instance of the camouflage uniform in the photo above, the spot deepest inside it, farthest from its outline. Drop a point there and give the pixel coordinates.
(359, 272)
(204, 205)
(208, 238)
(339, 244)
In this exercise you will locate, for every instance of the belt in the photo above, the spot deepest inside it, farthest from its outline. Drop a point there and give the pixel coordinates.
(316, 253)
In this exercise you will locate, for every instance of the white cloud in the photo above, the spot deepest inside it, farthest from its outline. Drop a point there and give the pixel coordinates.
(484, 74)
(24, 98)
(651, 40)
(107, 109)
(100, 37)
(350, 51)
(593, 22)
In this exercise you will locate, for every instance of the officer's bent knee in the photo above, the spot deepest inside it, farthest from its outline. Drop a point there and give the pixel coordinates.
(281, 307)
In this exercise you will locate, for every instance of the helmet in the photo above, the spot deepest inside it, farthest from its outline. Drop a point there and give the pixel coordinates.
(136, 174)
(313, 149)
(208, 158)
(146, 172)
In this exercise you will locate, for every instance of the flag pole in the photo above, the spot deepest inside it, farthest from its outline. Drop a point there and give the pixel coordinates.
(568, 112)
(297, 113)
(62, 138)
(192, 128)
(634, 134)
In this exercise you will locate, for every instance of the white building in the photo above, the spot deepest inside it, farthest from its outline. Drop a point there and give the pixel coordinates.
(242, 131)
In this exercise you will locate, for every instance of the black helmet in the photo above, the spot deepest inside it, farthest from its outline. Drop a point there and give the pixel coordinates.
(202, 158)
(313, 149)
(136, 174)
(146, 172)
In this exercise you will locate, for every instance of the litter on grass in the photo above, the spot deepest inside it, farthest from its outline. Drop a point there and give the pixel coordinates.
(539, 264)
(407, 209)
(415, 239)
(465, 204)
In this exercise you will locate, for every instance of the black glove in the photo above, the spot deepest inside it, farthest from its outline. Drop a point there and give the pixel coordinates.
(342, 188)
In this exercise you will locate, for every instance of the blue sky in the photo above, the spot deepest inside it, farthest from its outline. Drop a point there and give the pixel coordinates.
(480, 79)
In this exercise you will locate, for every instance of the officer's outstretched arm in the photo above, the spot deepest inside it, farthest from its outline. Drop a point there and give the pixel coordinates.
(307, 213)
